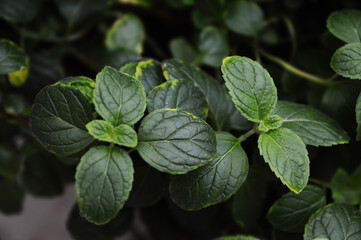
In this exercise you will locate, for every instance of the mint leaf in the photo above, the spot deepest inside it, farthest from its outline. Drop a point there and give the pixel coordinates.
(270, 123)
(175, 142)
(333, 222)
(129, 68)
(104, 179)
(286, 154)
(182, 95)
(291, 212)
(216, 181)
(238, 237)
(251, 87)
(245, 18)
(149, 73)
(19, 11)
(182, 50)
(312, 126)
(210, 87)
(12, 58)
(346, 188)
(346, 61)
(121, 134)
(127, 34)
(358, 118)
(58, 120)
(213, 46)
(118, 97)
(84, 84)
(345, 25)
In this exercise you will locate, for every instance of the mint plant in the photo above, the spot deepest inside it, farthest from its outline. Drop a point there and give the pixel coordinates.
(246, 127)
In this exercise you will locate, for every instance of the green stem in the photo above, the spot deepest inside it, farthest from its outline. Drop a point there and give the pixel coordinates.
(131, 150)
(319, 182)
(246, 135)
(292, 32)
(296, 71)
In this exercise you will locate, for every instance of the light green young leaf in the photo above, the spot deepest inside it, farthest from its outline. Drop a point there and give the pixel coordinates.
(84, 84)
(118, 97)
(182, 95)
(126, 33)
(210, 87)
(104, 179)
(270, 123)
(346, 61)
(286, 154)
(214, 182)
(291, 212)
(345, 25)
(312, 126)
(251, 87)
(122, 134)
(12, 58)
(175, 142)
(58, 120)
(19, 11)
(333, 222)
(245, 18)
(182, 50)
(358, 118)
(213, 46)
(238, 237)
(129, 68)
(149, 73)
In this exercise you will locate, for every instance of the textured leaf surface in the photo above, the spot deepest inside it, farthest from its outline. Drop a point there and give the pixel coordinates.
(270, 123)
(346, 61)
(126, 33)
(119, 98)
(291, 212)
(312, 126)
(213, 45)
(286, 154)
(245, 18)
(214, 182)
(104, 179)
(182, 95)
(175, 142)
(84, 84)
(58, 120)
(333, 222)
(251, 87)
(12, 58)
(358, 118)
(346, 25)
(18, 10)
(122, 134)
(210, 87)
(149, 73)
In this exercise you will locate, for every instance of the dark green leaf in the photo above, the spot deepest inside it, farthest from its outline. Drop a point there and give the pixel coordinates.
(149, 73)
(291, 212)
(238, 122)
(213, 46)
(126, 33)
(251, 87)
(175, 142)
(245, 18)
(346, 189)
(12, 58)
(312, 126)
(58, 120)
(12, 201)
(210, 87)
(214, 182)
(122, 134)
(84, 84)
(182, 50)
(286, 154)
(346, 25)
(334, 222)
(9, 161)
(182, 95)
(103, 181)
(346, 61)
(18, 10)
(119, 98)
